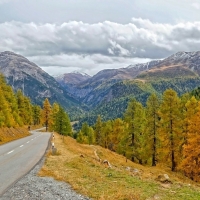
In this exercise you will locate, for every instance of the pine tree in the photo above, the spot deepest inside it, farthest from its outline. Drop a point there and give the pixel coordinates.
(62, 123)
(46, 113)
(170, 124)
(152, 118)
(98, 131)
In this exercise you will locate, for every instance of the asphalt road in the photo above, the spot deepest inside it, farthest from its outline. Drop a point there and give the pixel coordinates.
(18, 157)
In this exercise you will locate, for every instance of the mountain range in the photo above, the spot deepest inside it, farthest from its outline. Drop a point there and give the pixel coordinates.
(34, 82)
(108, 92)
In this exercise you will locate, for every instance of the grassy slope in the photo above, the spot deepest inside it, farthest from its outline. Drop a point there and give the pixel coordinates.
(125, 180)
(9, 134)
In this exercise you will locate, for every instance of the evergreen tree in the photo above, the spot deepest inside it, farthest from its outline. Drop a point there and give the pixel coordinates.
(62, 123)
(98, 131)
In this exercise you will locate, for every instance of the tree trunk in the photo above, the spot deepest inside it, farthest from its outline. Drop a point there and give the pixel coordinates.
(172, 147)
(154, 146)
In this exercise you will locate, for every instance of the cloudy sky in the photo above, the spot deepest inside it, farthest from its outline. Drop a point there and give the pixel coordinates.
(62, 36)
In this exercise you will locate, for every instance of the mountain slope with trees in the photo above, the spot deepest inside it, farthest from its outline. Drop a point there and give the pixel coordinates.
(22, 74)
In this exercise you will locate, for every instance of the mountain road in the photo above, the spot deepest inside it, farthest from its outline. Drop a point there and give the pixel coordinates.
(18, 157)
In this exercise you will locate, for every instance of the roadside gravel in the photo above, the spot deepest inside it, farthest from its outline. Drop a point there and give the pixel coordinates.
(32, 187)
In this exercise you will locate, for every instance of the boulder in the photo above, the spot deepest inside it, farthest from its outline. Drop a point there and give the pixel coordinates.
(163, 178)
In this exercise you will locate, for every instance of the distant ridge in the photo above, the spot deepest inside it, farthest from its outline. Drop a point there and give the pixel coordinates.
(33, 81)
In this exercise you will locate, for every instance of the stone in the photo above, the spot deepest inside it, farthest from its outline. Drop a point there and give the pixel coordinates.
(163, 178)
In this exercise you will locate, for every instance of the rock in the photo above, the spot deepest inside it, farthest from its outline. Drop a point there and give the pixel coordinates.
(54, 151)
(128, 168)
(164, 178)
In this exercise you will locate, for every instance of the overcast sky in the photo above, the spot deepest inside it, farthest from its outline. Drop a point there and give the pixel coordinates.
(62, 36)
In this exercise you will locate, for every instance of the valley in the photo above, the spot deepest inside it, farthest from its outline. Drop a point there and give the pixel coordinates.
(107, 91)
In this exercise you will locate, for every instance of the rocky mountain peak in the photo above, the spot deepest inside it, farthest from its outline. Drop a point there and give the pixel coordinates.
(72, 78)
(35, 83)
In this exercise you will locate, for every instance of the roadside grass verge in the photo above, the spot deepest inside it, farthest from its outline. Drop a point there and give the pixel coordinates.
(9, 134)
(82, 167)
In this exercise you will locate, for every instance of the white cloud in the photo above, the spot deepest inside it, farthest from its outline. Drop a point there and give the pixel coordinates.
(4, 1)
(196, 5)
(91, 47)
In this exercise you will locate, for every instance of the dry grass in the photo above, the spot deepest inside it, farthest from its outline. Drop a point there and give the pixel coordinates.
(9, 134)
(78, 165)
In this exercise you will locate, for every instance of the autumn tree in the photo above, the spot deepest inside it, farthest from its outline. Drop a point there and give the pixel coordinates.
(191, 151)
(53, 116)
(152, 124)
(190, 110)
(36, 114)
(86, 134)
(170, 127)
(25, 108)
(46, 113)
(106, 131)
(135, 118)
(116, 134)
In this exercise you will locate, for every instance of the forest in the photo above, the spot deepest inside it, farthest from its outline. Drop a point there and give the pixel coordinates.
(16, 110)
(165, 131)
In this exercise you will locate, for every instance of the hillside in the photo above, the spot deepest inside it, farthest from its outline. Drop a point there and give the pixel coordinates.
(118, 96)
(108, 92)
(10, 134)
(80, 166)
(34, 82)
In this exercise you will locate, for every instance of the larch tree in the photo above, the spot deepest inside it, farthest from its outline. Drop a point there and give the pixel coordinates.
(36, 114)
(191, 151)
(190, 111)
(25, 108)
(170, 127)
(106, 132)
(54, 112)
(98, 131)
(152, 125)
(46, 113)
(86, 134)
(135, 118)
(116, 134)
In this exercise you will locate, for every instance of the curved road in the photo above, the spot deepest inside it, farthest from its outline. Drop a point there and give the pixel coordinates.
(18, 157)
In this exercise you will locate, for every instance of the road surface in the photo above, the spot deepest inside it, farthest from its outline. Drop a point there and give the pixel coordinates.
(18, 157)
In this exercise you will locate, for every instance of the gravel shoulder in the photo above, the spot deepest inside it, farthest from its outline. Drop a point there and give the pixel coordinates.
(32, 187)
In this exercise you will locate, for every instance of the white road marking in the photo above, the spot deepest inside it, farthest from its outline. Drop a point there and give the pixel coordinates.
(10, 152)
(31, 139)
(21, 145)
(28, 142)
